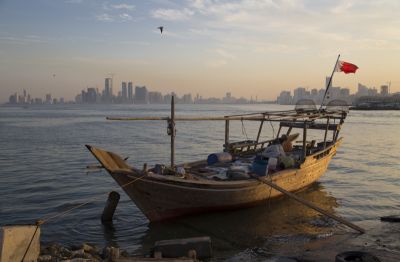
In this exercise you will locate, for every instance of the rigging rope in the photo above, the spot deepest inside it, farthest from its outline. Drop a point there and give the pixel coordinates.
(244, 129)
(273, 129)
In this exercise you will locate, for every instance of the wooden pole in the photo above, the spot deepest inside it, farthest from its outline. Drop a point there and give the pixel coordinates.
(329, 82)
(172, 126)
(310, 205)
(326, 131)
(305, 140)
(226, 135)
(109, 209)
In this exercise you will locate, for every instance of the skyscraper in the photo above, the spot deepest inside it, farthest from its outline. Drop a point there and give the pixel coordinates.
(141, 95)
(124, 93)
(130, 92)
(108, 93)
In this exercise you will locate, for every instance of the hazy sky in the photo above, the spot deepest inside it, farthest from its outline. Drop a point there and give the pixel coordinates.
(210, 47)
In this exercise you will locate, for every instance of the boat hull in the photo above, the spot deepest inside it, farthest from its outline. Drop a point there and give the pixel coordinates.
(164, 197)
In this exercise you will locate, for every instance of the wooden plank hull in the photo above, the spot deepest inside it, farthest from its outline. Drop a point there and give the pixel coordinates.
(163, 197)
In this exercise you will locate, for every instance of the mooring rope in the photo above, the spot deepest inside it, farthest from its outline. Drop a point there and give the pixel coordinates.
(88, 202)
(40, 222)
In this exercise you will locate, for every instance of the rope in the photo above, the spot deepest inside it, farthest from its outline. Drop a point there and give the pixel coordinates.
(244, 129)
(272, 126)
(38, 223)
(270, 190)
(83, 204)
(45, 220)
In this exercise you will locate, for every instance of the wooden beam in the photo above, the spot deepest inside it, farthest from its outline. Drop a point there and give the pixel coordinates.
(309, 204)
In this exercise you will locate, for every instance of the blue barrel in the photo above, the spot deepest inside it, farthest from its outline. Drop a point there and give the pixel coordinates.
(222, 157)
(260, 166)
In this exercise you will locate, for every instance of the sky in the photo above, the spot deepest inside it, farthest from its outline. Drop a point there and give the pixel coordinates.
(209, 47)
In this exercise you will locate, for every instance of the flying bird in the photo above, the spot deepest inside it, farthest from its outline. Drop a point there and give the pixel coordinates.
(161, 28)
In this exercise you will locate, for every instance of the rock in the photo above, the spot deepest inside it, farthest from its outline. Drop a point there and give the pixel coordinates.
(54, 250)
(79, 259)
(180, 247)
(87, 255)
(44, 258)
(124, 253)
(88, 248)
(65, 252)
(111, 253)
(78, 253)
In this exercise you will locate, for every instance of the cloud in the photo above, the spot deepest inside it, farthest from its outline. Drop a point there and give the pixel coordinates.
(104, 18)
(123, 6)
(125, 17)
(28, 39)
(172, 14)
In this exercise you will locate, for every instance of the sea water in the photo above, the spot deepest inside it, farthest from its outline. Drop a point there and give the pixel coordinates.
(43, 163)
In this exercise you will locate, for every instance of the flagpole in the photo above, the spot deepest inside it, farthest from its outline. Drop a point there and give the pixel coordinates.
(330, 81)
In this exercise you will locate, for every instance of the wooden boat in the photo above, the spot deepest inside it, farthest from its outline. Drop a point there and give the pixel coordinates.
(171, 192)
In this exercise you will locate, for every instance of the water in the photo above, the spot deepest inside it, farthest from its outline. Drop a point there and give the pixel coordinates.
(43, 160)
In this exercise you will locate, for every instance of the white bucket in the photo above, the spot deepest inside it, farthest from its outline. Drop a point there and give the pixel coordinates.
(272, 162)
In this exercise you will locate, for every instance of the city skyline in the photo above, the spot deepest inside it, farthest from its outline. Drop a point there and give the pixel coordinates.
(124, 93)
(250, 48)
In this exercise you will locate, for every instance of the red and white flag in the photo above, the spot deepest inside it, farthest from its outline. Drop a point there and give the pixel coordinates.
(345, 67)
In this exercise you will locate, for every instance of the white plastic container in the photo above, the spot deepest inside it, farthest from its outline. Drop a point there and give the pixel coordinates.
(272, 163)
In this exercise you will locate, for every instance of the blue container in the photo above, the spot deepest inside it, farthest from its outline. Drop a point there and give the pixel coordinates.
(260, 166)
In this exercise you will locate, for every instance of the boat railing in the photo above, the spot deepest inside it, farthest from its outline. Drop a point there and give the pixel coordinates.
(246, 146)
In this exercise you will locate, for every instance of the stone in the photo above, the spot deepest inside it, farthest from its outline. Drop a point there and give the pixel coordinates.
(124, 253)
(78, 253)
(64, 252)
(88, 248)
(15, 240)
(44, 258)
(111, 252)
(79, 259)
(175, 248)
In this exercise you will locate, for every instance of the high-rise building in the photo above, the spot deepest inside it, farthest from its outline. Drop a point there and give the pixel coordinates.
(48, 99)
(284, 98)
(108, 92)
(384, 90)
(187, 99)
(124, 92)
(155, 98)
(300, 93)
(141, 95)
(91, 95)
(130, 92)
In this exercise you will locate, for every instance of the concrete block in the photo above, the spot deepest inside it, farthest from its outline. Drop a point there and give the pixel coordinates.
(180, 247)
(14, 241)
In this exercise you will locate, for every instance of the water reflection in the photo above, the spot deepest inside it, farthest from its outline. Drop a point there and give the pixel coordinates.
(277, 221)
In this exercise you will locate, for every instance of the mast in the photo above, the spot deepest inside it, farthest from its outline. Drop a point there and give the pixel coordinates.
(329, 82)
(172, 131)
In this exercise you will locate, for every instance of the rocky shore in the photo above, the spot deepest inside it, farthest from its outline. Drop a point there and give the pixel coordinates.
(83, 253)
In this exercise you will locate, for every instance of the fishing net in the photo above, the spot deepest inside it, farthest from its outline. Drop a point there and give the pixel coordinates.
(305, 105)
(337, 105)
